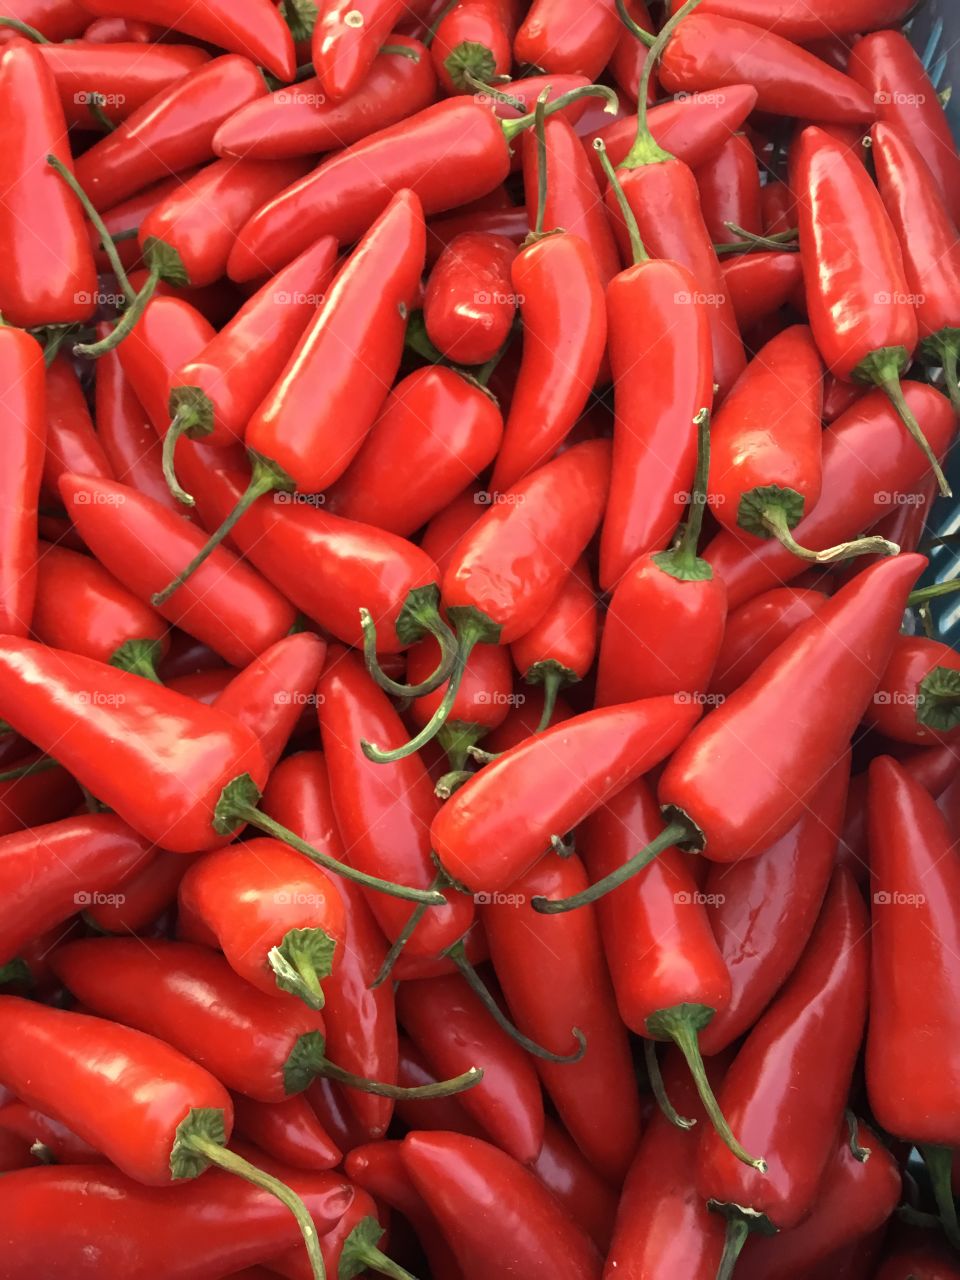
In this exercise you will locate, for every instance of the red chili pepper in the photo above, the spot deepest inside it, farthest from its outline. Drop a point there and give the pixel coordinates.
(340, 199)
(22, 448)
(890, 70)
(170, 1120)
(55, 19)
(471, 44)
(227, 605)
(360, 1019)
(50, 872)
(510, 223)
(780, 1092)
(710, 52)
(560, 35)
(278, 920)
(469, 305)
(730, 190)
(524, 719)
(171, 132)
(259, 32)
(36, 793)
(922, 1262)
(435, 431)
(565, 1171)
(51, 278)
(384, 812)
(760, 283)
(916, 700)
(117, 78)
(866, 456)
(262, 1046)
(663, 1228)
(753, 631)
(168, 334)
(58, 1144)
(460, 1177)
(126, 217)
(927, 235)
(106, 1222)
(72, 443)
(144, 895)
(122, 30)
(915, 878)
(82, 608)
(859, 1191)
(289, 1131)
(346, 40)
(436, 1114)
(300, 120)
(627, 59)
(805, 22)
(861, 313)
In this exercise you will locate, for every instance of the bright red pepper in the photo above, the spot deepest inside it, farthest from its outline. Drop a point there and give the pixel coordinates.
(122, 30)
(258, 31)
(288, 1131)
(804, 21)
(84, 609)
(144, 895)
(460, 1179)
(360, 1019)
(350, 1244)
(867, 456)
(757, 628)
(890, 70)
(39, 794)
(171, 132)
(471, 43)
(55, 19)
(346, 40)
(711, 52)
(51, 277)
(435, 1114)
(118, 77)
(227, 604)
(55, 1139)
(760, 283)
(22, 448)
(72, 443)
(300, 120)
(818, 682)
(168, 334)
(510, 223)
(435, 431)
(565, 1171)
(781, 1094)
(278, 920)
(627, 59)
(469, 305)
(730, 190)
(561, 35)
(554, 978)
(51, 872)
(916, 699)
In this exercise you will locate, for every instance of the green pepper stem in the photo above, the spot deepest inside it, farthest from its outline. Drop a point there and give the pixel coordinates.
(923, 594)
(553, 681)
(638, 249)
(774, 518)
(645, 37)
(659, 1088)
(182, 422)
(106, 239)
(891, 385)
(646, 149)
(939, 1162)
(24, 29)
(949, 350)
(458, 954)
(439, 1089)
(539, 126)
(513, 127)
(750, 243)
(126, 323)
(43, 765)
(734, 1240)
(403, 937)
(95, 105)
(430, 620)
(676, 832)
(233, 1163)
(265, 478)
(139, 658)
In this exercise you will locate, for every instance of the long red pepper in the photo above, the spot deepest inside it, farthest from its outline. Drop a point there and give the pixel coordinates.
(730, 190)
(300, 120)
(258, 32)
(54, 19)
(72, 443)
(144, 895)
(755, 629)
(130, 73)
(804, 22)
(346, 39)
(760, 283)
(22, 440)
(914, 881)
(565, 1171)
(360, 1018)
(780, 1093)
(861, 312)
(288, 1131)
(158, 1116)
(278, 920)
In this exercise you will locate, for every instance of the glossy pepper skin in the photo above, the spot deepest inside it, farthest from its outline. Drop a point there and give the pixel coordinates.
(50, 872)
(145, 894)
(804, 22)
(300, 120)
(560, 35)
(128, 1091)
(339, 199)
(288, 1131)
(346, 40)
(499, 824)
(51, 277)
(890, 70)
(22, 416)
(157, 758)
(474, 37)
(560, 648)
(915, 700)
(435, 431)
(554, 977)
(867, 456)
(779, 1094)
(730, 190)
(258, 32)
(709, 52)
(168, 334)
(470, 304)
(250, 898)
(315, 418)
(774, 731)
(498, 1218)
(171, 132)
(72, 442)
(590, 1200)
(107, 1221)
(755, 629)
(762, 910)
(132, 72)
(760, 283)
(914, 878)
(360, 1018)
(384, 811)
(450, 1026)
(226, 604)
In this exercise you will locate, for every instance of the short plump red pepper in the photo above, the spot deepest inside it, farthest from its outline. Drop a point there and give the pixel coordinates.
(918, 697)
(345, 42)
(469, 305)
(561, 35)
(760, 283)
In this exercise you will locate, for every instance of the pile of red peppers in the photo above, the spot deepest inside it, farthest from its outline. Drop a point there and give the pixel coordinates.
(479, 777)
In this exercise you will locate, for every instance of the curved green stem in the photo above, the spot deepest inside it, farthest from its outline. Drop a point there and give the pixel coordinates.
(360, 1253)
(645, 37)
(405, 934)
(441, 1089)
(43, 765)
(734, 1240)
(237, 805)
(882, 369)
(266, 477)
(95, 105)
(24, 29)
(106, 239)
(139, 658)
(458, 954)
(180, 425)
(638, 249)
(939, 1162)
(553, 681)
(659, 1088)
(679, 832)
(511, 128)
(126, 323)
(780, 240)
(682, 561)
(646, 149)
(451, 782)
(775, 520)
(419, 616)
(472, 627)
(859, 1153)
(923, 594)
